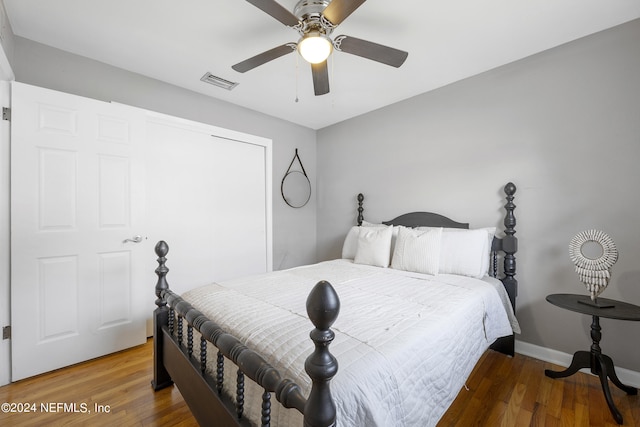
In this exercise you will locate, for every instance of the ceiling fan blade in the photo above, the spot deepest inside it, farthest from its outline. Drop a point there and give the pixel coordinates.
(264, 57)
(339, 10)
(320, 74)
(374, 51)
(273, 8)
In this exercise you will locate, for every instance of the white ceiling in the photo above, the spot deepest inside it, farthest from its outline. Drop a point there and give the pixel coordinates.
(179, 41)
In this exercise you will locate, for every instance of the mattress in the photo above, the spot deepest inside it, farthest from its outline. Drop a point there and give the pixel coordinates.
(405, 342)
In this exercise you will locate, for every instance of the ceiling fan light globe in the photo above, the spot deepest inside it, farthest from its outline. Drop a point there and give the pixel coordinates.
(315, 48)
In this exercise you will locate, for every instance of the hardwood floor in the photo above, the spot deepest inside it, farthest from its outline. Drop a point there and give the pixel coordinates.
(121, 382)
(508, 392)
(502, 391)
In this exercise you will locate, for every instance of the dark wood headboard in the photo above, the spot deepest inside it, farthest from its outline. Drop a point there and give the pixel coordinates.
(504, 247)
(419, 219)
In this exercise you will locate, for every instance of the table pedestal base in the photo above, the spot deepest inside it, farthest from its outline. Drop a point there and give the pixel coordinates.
(600, 365)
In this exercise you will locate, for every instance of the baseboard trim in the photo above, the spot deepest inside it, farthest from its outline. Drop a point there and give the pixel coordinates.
(627, 376)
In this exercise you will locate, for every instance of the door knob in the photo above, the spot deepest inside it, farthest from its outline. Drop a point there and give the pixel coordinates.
(134, 239)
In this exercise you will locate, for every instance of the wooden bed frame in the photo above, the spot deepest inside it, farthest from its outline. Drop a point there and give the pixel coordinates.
(175, 363)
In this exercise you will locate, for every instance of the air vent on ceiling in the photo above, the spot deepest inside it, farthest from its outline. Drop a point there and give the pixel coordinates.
(218, 81)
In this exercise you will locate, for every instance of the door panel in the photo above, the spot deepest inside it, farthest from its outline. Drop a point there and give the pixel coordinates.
(113, 181)
(77, 193)
(56, 301)
(57, 204)
(115, 283)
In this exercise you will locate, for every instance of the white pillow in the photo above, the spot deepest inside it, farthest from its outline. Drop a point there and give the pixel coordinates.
(394, 234)
(374, 246)
(350, 243)
(465, 252)
(351, 240)
(417, 250)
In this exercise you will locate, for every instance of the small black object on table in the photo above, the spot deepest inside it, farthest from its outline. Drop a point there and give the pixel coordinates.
(600, 364)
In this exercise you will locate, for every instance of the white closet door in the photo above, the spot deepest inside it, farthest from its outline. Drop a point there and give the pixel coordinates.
(212, 201)
(77, 192)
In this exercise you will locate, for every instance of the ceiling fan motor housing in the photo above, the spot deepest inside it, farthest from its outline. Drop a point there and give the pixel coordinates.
(309, 12)
(310, 7)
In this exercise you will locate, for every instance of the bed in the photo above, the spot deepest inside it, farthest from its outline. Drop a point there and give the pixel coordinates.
(384, 336)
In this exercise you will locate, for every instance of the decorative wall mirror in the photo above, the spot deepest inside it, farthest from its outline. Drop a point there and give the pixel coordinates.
(594, 253)
(295, 186)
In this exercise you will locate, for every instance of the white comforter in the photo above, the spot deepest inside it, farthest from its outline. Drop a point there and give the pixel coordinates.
(405, 342)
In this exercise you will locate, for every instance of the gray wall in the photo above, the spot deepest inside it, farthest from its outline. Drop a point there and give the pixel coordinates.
(563, 125)
(294, 230)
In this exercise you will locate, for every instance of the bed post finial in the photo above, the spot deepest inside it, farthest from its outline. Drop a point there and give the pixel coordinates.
(162, 249)
(360, 208)
(510, 241)
(323, 306)
(161, 377)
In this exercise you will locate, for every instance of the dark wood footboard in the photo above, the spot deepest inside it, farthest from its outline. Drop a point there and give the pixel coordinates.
(174, 360)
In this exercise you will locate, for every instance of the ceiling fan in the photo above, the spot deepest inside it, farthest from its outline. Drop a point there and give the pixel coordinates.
(315, 20)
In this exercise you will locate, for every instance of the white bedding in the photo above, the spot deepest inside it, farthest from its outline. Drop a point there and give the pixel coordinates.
(405, 342)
